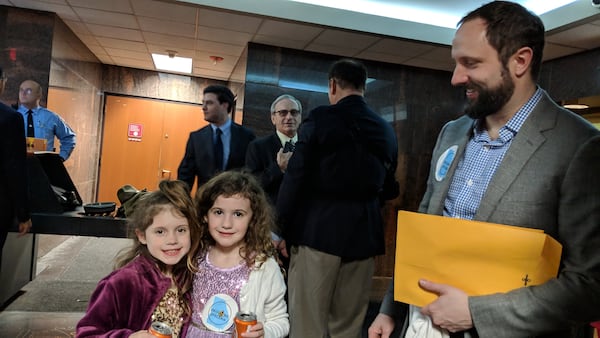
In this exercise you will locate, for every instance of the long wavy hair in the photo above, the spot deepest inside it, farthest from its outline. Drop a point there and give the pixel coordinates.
(258, 246)
(174, 195)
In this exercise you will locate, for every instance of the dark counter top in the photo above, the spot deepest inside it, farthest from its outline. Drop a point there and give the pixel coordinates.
(77, 223)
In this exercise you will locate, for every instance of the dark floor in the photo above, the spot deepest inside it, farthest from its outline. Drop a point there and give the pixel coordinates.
(68, 269)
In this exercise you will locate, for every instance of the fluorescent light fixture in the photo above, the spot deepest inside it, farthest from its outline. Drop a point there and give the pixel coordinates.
(576, 106)
(416, 11)
(172, 63)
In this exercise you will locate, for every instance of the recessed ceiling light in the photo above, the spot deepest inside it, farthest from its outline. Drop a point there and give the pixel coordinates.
(172, 63)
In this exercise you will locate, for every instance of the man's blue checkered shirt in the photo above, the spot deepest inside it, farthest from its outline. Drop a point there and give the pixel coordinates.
(480, 161)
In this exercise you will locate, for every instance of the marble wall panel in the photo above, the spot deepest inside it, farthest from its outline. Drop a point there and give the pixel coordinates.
(573, 76)
(75, 94)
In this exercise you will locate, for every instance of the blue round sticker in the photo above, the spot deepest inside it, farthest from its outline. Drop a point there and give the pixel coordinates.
(444, 162)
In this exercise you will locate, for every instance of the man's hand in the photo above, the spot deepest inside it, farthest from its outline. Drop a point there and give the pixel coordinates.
(283, 159)
(24, 227)
(281, 248)
(382, 326)
(451, 310)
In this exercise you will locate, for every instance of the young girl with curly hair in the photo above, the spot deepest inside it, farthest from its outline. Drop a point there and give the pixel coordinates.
(236, 267)
(152, 281)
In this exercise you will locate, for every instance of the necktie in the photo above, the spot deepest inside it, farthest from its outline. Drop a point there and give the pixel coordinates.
(289, 146)
(30, 132)
(219, 150)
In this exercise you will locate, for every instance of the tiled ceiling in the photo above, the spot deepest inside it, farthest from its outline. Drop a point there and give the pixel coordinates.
(126, 32)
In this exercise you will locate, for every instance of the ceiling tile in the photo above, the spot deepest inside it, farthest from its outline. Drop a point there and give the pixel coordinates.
(383, 57)
(94, 16)
(181, 52)
(167, 27)
(553, 51)
(130, 54)
(214, 34)
(279, 41)
(203, 59)
(168, 40)
(229, 21)
(289, 31)
(586, 36)
(77, 27)
(218, 48)
(399, 47)
(58, 7)
(97, 49)
(107, 5)
(334, 50)
(111, 31)
(165, 10)
(211, 74)
(120, 44)
(340, 38)
(134, 63)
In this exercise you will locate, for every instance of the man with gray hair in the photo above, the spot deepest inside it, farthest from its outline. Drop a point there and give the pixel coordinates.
(267, 157)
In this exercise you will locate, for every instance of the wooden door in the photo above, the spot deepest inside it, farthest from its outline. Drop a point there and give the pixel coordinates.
(143, 160)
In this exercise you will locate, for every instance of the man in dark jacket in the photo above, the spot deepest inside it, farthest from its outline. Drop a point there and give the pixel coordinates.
(13, 172)
(217, 147)
(329, 203)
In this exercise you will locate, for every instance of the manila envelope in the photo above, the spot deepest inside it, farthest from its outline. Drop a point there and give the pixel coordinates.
(477, 257)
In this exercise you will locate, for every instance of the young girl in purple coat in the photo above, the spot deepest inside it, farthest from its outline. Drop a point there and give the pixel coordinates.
(153, 280)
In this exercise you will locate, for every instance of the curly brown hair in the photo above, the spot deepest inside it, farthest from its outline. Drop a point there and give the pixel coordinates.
(258, 246)
(173, 195)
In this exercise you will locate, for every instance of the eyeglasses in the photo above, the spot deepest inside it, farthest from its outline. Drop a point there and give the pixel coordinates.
(284, 112)
(26, 91)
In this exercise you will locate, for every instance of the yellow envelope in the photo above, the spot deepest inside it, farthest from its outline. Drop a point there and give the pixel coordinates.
(478, 257)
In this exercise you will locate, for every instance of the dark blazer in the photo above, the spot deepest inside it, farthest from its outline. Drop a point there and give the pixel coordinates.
(198, 160)
(261, 160)
(549, 180)
(13, 171)
(342, 168)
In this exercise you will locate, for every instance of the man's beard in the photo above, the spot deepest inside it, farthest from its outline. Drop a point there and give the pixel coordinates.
(490, 101)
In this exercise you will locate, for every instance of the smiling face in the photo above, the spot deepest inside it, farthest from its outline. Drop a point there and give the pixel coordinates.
(168, 237)
(488, 83)
(287, 117)
(228, 221)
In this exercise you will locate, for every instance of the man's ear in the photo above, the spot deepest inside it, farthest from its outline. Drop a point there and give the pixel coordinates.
(522, 60)
(332, 87)
(141, 236)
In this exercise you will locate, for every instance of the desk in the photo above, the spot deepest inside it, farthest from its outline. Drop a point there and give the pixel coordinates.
(19, 257)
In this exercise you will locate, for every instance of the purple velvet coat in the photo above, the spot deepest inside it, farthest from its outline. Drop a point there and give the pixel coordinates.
(124, 301)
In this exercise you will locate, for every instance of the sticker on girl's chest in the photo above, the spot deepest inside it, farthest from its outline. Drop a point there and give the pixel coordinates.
(444, 162)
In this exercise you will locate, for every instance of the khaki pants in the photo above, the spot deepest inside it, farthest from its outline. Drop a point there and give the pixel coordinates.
(326, 296)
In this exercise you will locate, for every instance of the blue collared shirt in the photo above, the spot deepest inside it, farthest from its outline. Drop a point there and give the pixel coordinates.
(481, 159)
(225, 138)
(46, 125)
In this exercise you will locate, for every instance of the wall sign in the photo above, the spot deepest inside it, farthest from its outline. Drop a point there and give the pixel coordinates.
(134, 132)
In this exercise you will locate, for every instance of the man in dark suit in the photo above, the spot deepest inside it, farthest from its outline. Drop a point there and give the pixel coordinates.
(13, 172)
(515, 158)
(329, 203)
(268, 156)
(217, 147)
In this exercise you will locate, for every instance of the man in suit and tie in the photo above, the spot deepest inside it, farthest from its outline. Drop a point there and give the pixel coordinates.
(268, 156)
(329, 204)
(14, 203)
(217, 147)
(519, 159)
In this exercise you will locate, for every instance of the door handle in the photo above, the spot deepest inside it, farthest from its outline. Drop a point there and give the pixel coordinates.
(165, 174)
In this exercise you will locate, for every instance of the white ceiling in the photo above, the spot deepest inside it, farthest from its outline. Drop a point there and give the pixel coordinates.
(126, 32)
